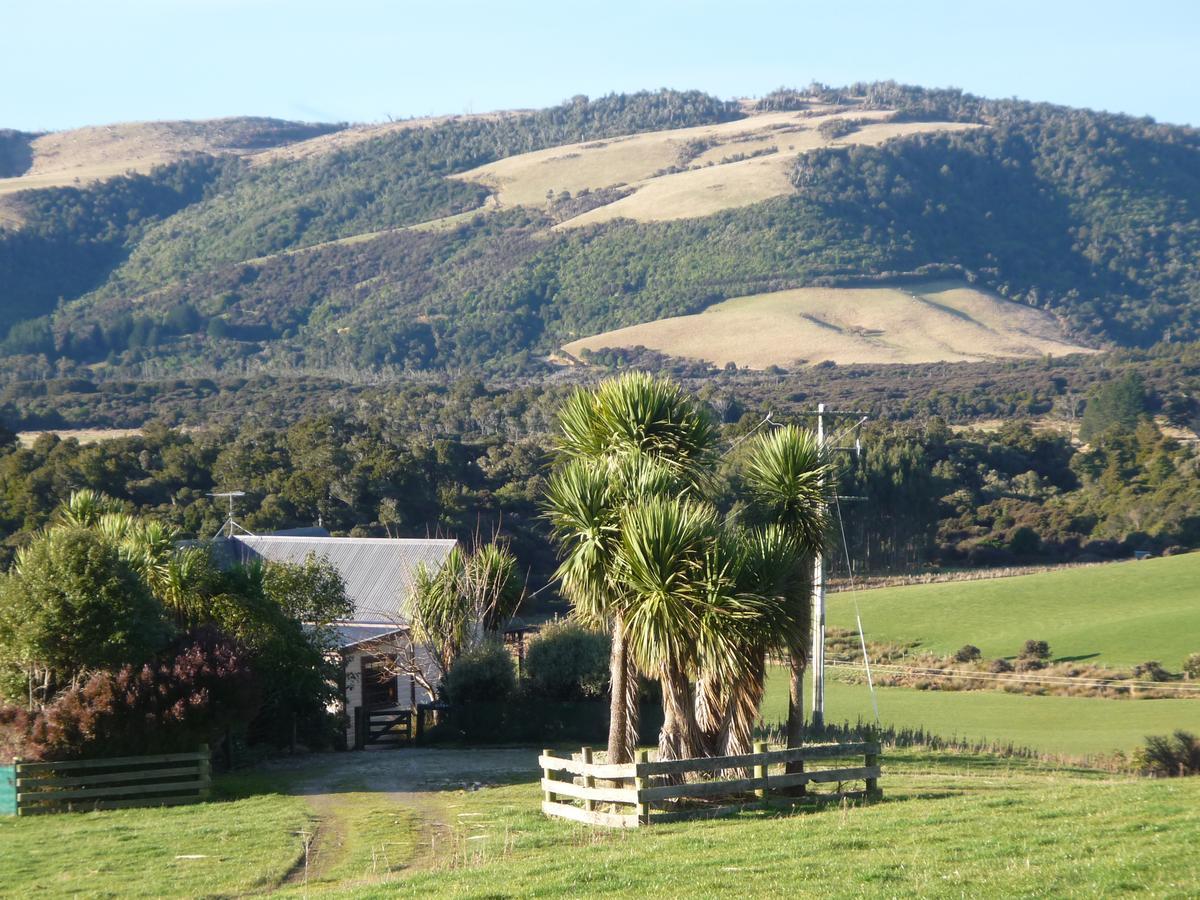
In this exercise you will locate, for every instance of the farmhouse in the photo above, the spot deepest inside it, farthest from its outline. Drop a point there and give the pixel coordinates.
(379, 575)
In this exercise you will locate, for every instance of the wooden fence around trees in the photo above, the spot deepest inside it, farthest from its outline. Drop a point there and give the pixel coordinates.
(639, 793)
(85, 784)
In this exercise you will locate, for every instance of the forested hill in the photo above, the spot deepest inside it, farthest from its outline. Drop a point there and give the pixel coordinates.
(488, 242)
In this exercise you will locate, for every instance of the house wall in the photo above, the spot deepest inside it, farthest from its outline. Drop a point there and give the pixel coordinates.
(405, 688)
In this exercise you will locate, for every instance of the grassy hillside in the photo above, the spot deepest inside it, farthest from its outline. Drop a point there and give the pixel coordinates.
(1122, 614)
(1088, 216)
(921, 323)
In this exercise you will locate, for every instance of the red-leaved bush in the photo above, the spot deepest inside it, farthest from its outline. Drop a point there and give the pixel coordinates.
(205, 687)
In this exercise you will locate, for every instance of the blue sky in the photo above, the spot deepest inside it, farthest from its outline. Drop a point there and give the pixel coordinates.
(75, 62)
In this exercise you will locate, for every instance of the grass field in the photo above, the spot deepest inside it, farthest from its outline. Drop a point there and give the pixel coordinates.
(1070, 726)
(940, 321)
(1121, 614)
(245, 843)
(950, 825)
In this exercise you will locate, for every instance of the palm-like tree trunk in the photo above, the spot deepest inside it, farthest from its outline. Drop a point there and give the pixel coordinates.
(680, 735)
(795, 720)
(623, 702)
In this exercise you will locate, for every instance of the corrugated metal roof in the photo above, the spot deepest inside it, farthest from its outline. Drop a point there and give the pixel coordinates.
(378, 572)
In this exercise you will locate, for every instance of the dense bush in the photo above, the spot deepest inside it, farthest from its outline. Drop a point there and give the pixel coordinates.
(565, 661)
(1171, 757)
(1034, 649)
(482, 675)
(202, 687)
(967, 653)
(1191, 666)
(1000, 665)
(1151, 671)
(73, 603)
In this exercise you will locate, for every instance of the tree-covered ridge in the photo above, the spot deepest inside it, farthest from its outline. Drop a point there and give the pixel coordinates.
(1090, 215)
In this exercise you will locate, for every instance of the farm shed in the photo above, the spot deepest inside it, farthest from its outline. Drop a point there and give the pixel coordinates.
(379, 575)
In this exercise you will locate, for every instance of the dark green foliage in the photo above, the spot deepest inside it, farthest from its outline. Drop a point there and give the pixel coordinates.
(1191, 666)
(1172, 757)
(73, 604)
(1151, 671)
(1119, 404)
(486, 674)
(1035, 649)
(967, 653)
(1000, 665)
(72, 237)
(565, 661)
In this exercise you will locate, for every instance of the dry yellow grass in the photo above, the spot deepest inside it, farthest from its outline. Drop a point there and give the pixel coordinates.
(83, 435)
(939, 321)
(714, 179)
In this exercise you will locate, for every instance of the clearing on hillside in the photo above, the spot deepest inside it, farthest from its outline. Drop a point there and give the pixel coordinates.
(934, 322)
(83, 155)
(687, 172)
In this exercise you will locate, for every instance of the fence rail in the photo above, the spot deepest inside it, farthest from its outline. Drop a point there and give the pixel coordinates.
(86, 784)
(661, 791)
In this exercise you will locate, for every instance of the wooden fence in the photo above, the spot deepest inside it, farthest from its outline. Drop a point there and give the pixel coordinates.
(632, 794)
(86, 784)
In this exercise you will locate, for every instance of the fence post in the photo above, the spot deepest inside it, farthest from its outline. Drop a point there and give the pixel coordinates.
(642, 810)
(16, 785)
(760, 772)
(872, 759)
(548, 796)
(204, 770)
(589, 780)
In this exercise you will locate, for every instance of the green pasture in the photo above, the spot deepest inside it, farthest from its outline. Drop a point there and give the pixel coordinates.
(1118, 614)
(950, 825)
(1073, 726)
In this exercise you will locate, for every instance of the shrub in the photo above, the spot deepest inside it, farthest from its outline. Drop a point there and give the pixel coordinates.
(198, 691)
(1000, 665)
(1029, 664)
(1171, 757)
(1035, 650)
(484, 674)
(967, 653)
(1151, 671)
(1191, 666)
(565, 661)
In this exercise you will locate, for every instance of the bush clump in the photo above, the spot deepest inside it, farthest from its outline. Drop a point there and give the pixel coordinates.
(202, 687)
(1035, 650)
(967, 653)
(1191, 666)
(1029, 664)
(565, 661)
(1151, 670)
(1171, 757)
(486, 674)
(999, 665)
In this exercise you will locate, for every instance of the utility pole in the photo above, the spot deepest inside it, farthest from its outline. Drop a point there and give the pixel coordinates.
(817, 663)
(818, 606)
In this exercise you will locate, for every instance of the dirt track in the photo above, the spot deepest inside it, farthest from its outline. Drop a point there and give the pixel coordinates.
(415, 779)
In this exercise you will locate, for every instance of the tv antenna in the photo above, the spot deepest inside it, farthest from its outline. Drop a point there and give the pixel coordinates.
(229, 526)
